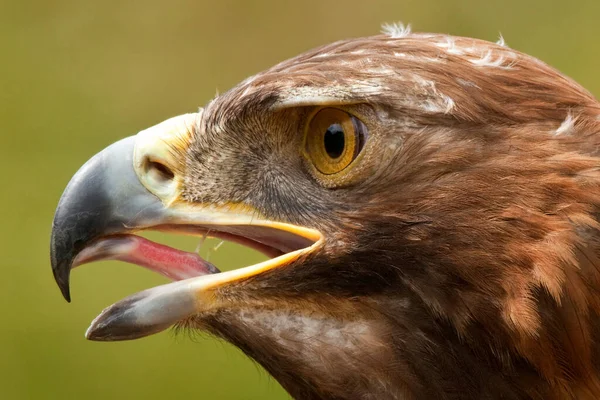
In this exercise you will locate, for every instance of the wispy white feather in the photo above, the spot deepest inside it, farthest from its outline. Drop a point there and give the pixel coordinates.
(501, 41)
(566, 126)
(396, 30)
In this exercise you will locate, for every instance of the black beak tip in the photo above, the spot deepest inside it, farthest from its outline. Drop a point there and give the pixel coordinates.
(62, 280)
(64, 289)
(61, 271)
(118, 322)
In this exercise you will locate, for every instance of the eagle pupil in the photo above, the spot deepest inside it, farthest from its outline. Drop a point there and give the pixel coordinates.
(334, 141)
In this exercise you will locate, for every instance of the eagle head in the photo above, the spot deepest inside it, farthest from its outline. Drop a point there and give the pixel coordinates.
(428, 205)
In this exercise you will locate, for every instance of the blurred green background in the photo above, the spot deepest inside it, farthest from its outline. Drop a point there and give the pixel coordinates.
(77, 75)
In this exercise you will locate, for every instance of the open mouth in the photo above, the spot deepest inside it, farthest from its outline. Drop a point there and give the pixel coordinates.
(135, 185)
(195, 279)
(273, 242)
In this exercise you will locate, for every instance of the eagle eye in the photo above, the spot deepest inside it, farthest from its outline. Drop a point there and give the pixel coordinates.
(334, 138)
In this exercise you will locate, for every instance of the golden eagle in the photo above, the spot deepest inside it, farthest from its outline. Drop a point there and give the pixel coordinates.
(429, 205)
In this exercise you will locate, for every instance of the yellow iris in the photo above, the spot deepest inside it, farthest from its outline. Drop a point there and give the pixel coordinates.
(332, 140)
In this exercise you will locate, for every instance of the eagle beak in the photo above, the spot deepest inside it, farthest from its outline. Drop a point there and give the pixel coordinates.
(135, 185)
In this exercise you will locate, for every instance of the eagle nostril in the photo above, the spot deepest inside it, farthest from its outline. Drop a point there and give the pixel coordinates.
(158, 172)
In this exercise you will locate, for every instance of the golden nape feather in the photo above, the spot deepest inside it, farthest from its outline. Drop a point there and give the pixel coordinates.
(428, 205)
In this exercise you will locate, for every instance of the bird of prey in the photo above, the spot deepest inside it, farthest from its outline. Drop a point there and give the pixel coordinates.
(429, 205)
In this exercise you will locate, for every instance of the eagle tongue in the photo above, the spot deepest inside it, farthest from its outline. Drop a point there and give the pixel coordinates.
(172, 263)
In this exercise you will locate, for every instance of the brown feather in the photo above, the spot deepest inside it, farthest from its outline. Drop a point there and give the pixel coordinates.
(462, 254)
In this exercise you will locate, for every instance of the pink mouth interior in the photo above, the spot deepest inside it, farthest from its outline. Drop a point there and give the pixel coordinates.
(177, 264)
(167, 261)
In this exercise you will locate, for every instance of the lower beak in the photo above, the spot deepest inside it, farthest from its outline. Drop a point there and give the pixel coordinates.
(135, 185)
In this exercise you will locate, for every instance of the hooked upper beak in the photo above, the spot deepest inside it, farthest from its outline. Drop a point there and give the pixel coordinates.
(134, 185)
(102, 198)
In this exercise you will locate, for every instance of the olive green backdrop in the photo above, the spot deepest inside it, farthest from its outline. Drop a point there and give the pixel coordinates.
(78, 75)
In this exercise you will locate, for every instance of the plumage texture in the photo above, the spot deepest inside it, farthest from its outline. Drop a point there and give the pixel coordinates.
(461, 258)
